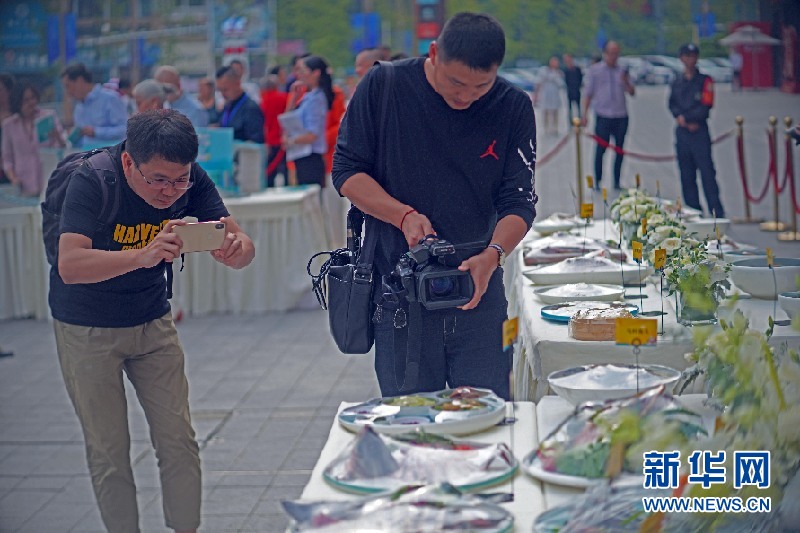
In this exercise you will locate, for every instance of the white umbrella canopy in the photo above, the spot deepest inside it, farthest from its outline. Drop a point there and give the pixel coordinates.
(745, 35)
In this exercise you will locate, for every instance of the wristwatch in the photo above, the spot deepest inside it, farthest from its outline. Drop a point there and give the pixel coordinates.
(501, 254)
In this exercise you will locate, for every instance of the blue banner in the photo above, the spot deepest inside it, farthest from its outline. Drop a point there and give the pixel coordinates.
(367, 29)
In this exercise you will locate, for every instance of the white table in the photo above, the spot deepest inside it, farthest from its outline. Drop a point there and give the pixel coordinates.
(544, 346)
(528, 497)
(287, 228)
(23, 266)
(534, 422)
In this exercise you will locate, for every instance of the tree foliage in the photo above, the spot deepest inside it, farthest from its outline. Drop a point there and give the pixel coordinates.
(535, 29)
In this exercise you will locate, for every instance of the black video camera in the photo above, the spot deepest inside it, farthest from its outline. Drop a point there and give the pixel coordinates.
(429, 274)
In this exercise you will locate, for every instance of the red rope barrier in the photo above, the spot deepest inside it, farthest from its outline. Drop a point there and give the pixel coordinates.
(274, 163)
(770, 171)
(648, 157)
(634, 155)
(549, 155)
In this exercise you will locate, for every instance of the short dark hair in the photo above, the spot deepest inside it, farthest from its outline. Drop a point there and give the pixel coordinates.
(227, 72)
(18, 94)
(78, 70)
(163, 133)
(475, 39)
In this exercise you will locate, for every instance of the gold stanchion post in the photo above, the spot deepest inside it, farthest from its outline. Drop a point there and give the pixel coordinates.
(576, 123)
(748, 217)
(775, 224)
(792, 235)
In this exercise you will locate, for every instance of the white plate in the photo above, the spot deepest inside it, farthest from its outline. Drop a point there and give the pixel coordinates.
(547, 229)
(532, 466)
(705, 228)
(392, 420)
(609, 381)
(627, 273)
(612, 294)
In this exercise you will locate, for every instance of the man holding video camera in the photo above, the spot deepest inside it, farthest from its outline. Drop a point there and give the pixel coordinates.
(108, 297)
(459, 145)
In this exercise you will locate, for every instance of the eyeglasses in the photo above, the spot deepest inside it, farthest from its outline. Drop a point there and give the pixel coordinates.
(161, 183)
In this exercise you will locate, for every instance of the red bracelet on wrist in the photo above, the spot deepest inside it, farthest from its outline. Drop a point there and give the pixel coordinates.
(404, 217)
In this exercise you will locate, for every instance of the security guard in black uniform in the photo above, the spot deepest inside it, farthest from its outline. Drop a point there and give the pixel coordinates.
(690, 101)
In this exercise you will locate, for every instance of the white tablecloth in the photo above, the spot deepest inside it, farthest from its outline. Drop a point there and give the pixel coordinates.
(23, 268)
(528, 500)
(534, 422)
(546, 346)
(287, 228)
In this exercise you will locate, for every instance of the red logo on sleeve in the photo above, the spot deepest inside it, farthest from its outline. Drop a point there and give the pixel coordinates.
(490, 151)
(707, 98)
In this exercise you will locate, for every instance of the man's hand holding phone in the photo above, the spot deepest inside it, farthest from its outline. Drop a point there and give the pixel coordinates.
(237, 249)
(165, 246)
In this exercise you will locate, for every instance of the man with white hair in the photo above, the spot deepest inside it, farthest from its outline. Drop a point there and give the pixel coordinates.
(150, 94)
(180, 101)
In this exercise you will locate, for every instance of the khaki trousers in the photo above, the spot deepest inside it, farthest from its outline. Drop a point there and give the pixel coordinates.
(92, 361)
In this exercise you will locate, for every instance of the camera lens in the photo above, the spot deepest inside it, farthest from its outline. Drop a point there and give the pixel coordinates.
(441, 286)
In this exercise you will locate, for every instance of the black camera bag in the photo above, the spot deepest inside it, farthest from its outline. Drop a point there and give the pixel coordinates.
(350, 296)
(349, 275)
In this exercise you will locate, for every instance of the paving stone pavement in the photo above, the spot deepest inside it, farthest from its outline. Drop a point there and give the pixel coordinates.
(263, 392)
(264, 388)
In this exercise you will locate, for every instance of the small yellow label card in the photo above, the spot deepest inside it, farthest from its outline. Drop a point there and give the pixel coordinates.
(770, 257)
(510, 332)
(637, 331)
(589, 182)
(605, 194)
(660, 258)
(637, 251)
(587, 210)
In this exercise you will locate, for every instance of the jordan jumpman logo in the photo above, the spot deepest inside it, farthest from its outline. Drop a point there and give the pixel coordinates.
(490, 151)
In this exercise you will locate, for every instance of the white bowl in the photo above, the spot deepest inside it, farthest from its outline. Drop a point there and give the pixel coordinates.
(609, 381)
(754, 277)
(736, 255)
(790, 302)
(703, 228)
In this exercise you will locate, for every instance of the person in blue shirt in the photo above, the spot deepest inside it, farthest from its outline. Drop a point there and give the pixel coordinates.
(313, 111)
(240, 112)
(99, 113)
(179, 100)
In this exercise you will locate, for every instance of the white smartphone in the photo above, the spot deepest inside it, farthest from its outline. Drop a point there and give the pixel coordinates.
(201, 236)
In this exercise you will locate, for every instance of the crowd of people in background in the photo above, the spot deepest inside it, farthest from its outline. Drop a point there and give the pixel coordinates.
(303, 88)
(99, 112)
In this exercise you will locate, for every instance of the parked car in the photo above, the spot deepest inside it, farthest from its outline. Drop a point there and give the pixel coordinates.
(672, 63)
(523, 83)
(638, 68)
(717, 72)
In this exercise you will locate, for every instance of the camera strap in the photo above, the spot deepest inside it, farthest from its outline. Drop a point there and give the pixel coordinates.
(406, 317)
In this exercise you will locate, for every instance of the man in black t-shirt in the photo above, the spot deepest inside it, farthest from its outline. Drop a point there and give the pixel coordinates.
(460, 149)
(108, 297)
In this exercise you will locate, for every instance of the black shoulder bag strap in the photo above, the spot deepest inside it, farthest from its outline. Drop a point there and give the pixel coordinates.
(412, 344)
(363, 270)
